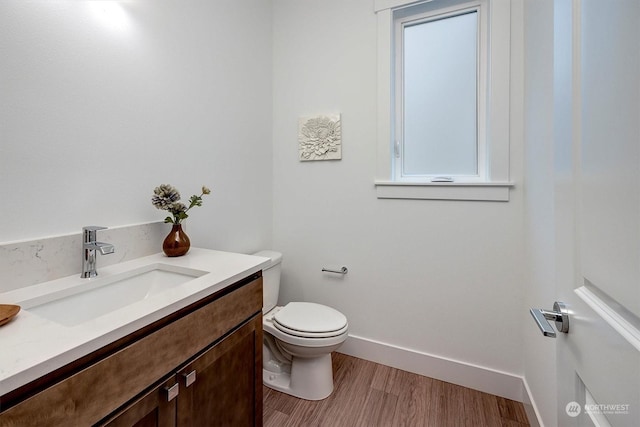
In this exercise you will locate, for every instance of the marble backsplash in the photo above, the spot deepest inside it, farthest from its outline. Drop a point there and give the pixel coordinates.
(30, 262)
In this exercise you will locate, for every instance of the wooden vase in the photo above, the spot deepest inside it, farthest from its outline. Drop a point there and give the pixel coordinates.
(177, 242)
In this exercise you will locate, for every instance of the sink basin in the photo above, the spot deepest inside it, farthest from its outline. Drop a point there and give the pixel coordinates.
(93, 298)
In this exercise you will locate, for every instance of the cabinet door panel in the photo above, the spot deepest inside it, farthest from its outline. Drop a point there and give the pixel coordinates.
(224, 391)
(151, 410)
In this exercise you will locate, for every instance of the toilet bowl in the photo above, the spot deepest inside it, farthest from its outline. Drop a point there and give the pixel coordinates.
(298, 340)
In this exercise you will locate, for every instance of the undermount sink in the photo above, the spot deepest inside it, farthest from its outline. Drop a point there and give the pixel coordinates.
(93, 298)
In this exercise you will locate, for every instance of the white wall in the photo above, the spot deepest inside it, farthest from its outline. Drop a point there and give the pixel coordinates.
(104, 100)
(437, 277)
(539, 352)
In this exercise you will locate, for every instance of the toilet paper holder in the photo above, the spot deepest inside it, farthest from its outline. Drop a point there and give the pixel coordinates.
(343, 270)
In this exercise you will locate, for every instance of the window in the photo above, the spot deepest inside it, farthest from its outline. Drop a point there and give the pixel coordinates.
(436, 96)
(443, 130)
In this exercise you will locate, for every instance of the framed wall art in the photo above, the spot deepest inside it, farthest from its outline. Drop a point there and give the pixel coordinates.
(320, 137)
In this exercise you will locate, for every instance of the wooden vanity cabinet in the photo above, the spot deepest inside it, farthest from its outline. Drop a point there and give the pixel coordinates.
(201, 366)
(220, 385)
(218, 388)
(152, 409)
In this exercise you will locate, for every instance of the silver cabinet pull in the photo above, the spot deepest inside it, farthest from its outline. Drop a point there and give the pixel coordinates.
(172, 392)
(189, 378)
(560, 315)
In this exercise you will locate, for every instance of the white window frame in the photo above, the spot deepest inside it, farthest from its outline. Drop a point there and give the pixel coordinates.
(398, 78)
(493, 183)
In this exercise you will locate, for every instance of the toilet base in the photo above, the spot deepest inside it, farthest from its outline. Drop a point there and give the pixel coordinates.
(310, 378)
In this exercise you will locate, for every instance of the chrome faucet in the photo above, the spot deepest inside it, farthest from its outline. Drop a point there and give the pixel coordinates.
(89, 248)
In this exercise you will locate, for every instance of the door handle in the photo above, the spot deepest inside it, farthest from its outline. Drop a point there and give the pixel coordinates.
(560, 315)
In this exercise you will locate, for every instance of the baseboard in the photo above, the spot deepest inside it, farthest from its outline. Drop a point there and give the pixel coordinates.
(476, 377)
(530, 406)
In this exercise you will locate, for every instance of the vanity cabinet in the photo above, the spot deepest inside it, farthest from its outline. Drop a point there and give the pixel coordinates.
(154, 408)
(219, 381)
(215, 389)
(201, 366)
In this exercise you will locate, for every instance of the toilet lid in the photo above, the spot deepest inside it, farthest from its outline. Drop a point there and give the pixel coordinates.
(310, 318)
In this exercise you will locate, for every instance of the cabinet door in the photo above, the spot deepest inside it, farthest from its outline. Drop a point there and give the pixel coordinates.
(156, 408)
(223, 386)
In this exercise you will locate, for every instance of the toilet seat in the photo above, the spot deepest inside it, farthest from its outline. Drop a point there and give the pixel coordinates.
(268, 326)
(310, 320)
(295, 337)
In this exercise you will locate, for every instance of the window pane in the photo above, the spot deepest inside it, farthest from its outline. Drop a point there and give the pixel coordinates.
(440, 115)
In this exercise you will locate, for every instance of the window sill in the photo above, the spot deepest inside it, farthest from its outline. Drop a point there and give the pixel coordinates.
(477, 191)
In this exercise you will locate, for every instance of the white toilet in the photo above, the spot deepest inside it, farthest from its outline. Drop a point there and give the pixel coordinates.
(298, 340)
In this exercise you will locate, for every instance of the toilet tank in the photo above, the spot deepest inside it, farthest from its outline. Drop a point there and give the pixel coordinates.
(270, 279)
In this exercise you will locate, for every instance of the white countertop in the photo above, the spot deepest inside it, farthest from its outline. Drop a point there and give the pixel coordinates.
(31, 346)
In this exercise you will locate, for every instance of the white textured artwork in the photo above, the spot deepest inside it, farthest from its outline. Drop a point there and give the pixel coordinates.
(320, 137)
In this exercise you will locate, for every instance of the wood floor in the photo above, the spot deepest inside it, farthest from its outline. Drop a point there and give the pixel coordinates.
(368, 394)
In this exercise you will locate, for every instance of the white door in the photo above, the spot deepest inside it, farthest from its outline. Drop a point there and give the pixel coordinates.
(597, 203)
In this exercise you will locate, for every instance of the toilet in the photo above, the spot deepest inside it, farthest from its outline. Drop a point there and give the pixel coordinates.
(298, 340)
